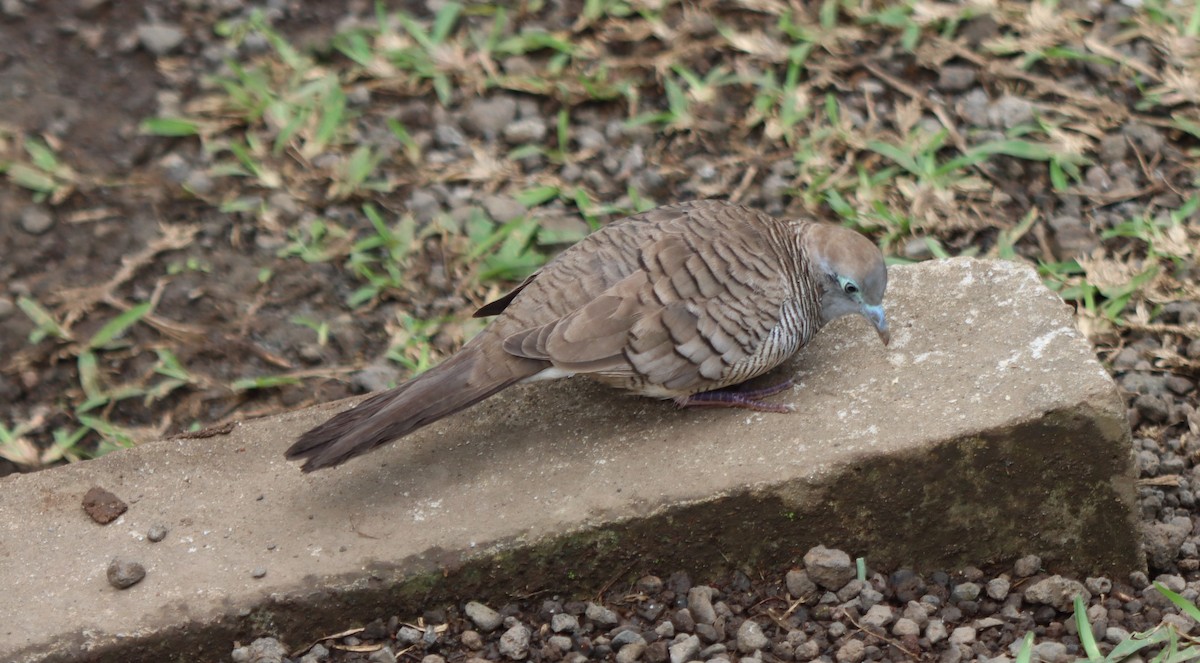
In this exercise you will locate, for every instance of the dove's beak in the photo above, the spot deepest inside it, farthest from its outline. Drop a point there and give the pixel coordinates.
(876, 315)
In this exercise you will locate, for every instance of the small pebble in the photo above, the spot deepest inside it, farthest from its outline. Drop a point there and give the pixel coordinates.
(526, 130)
(35, 220)
(1058, 592)
(955, 78)
(601, 615)
(485, 618)
(854, 651)
(123, 574)
(626, 637)
(488, 116)
(700, 604)
(650, 584)
(1009, 111)
(159, 38)
(1098, 586)
(1049, 651)
(103, 506)
(259, 572)
(156, 533)
(963, 635)
(905, 626)
(829, 568)
(997, 589)
(878, 616)
(799, 585)
(515, 642)
(471, 639)
(563, 622)
(1027, 566)
(965, 591)
(684, 650)
(936, 631)
(750, 637)
(262, 650)
(316, 654)
(384, 655)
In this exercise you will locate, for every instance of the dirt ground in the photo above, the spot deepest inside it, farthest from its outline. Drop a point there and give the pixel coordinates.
(74, 76)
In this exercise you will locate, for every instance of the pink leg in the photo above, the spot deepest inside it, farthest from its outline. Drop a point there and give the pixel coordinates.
(748, 400)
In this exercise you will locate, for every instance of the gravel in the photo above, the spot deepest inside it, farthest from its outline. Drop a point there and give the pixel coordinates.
(262, 650)
(966, 615)
(489, 116)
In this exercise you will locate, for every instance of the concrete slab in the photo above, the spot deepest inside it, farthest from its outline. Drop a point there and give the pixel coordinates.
(985, 432)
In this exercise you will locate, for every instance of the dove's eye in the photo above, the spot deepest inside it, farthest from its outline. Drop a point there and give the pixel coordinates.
(850, 288)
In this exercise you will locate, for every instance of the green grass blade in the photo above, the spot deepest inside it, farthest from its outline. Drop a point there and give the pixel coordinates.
(901, 158)
(108, 430)
(1086, 638)
(531, 198)
(170, 127)
(1026, 653)
(117, 326)
(46, 324)
(170, 366)
(31, 178)
(1185, 654)
(443, 23)
(89, 376)
(263, 382)
(42, 156)
(333, 111)
(1183, 604)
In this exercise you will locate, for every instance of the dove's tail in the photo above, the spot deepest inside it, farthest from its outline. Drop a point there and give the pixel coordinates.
(464, 379)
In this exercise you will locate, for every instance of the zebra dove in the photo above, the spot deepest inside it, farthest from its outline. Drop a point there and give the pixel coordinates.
(678, 302)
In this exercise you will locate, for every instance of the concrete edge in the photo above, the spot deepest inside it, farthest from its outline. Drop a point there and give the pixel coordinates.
(760, 528)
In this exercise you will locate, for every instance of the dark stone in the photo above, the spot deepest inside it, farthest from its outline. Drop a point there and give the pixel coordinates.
(907, 585)
(103, 506)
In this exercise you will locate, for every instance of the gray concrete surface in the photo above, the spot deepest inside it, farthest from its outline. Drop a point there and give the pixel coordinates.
(986, 431)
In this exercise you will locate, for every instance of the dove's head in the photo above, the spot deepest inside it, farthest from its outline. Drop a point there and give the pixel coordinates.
(852, 274)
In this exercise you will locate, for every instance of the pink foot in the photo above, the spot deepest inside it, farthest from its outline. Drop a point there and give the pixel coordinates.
(748, 400)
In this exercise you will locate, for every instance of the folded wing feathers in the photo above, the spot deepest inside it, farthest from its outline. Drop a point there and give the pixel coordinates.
(702, 298)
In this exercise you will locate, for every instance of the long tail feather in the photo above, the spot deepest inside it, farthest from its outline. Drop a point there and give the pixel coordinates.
(453, 385)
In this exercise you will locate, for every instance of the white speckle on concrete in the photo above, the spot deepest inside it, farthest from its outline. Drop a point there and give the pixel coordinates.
(921, 358)
(1038, 346)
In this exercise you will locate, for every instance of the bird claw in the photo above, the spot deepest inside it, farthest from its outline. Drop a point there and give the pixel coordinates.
(747, 400)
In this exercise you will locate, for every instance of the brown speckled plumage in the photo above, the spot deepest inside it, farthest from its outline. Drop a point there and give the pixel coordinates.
(675, 301)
